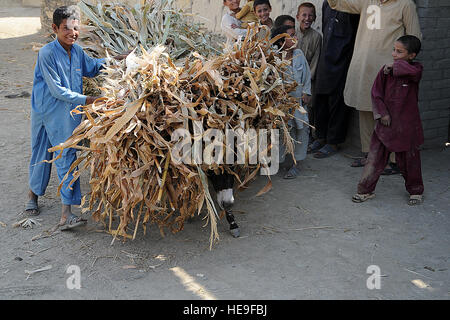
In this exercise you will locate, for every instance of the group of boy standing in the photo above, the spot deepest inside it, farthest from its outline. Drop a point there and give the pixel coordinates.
(344, 71)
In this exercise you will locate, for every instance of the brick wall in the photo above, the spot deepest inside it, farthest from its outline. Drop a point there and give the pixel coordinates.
(434, 96)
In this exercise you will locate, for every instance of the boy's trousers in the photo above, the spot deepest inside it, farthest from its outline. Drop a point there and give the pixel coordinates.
(301, 139)
(408, 162)
(366, 129)
(40, 171)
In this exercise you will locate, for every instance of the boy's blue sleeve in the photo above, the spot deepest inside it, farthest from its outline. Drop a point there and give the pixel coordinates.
(53, 81)
(91, 66)
(306, 77)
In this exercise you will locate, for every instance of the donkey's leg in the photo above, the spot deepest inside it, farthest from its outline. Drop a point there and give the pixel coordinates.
(234, 228)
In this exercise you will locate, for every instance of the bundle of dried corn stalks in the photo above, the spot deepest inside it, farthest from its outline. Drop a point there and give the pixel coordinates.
(146, 98)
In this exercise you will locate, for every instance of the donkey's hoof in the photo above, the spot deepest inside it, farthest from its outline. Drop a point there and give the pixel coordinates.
(235, 232)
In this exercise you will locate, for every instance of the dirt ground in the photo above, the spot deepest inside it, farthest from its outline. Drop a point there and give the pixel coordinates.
(304, 239)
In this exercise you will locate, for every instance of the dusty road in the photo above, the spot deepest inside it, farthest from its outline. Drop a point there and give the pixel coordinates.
(304, 239)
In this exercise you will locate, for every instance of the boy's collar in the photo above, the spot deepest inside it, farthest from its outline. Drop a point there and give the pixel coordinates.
(306, 30)
(60, 47)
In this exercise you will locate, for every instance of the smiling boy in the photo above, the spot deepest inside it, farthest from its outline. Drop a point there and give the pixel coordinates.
(298, 71)
(262, 10)
(309, 40)
(398, 126)
(57, 89)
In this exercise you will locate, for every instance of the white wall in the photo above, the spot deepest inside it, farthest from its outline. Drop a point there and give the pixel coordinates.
(213, 10)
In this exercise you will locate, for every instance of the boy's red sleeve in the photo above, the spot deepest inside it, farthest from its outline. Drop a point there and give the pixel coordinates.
(378, 93)
(403, 68)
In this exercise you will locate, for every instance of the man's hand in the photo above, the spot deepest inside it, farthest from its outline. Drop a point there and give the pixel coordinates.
(386, 120)
(388, 68)
(90, 100)
(306, 98)
(234, 26)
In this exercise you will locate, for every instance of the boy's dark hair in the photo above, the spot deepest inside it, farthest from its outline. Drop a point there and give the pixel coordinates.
(307, 5)
(279, 30)
(259, 2)
(280, 20)
(65, 12)
(411, 43)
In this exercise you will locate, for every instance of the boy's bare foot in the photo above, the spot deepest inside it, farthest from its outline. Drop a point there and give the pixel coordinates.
(32, 204)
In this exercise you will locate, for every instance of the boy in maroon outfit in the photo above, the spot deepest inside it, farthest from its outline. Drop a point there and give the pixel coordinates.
(398, 128)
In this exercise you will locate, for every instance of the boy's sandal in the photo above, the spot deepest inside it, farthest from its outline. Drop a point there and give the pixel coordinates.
(315, 146)
(72, 222)
(32, 208)
(361, 162)
(358, 198)
(325, 152)
(415, 199)
(292, 173)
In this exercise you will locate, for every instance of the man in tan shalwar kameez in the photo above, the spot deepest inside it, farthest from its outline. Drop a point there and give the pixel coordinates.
(381, 24)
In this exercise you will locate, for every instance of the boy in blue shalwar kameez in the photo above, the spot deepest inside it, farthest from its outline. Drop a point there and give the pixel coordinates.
(298, 71)
(57, 89)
